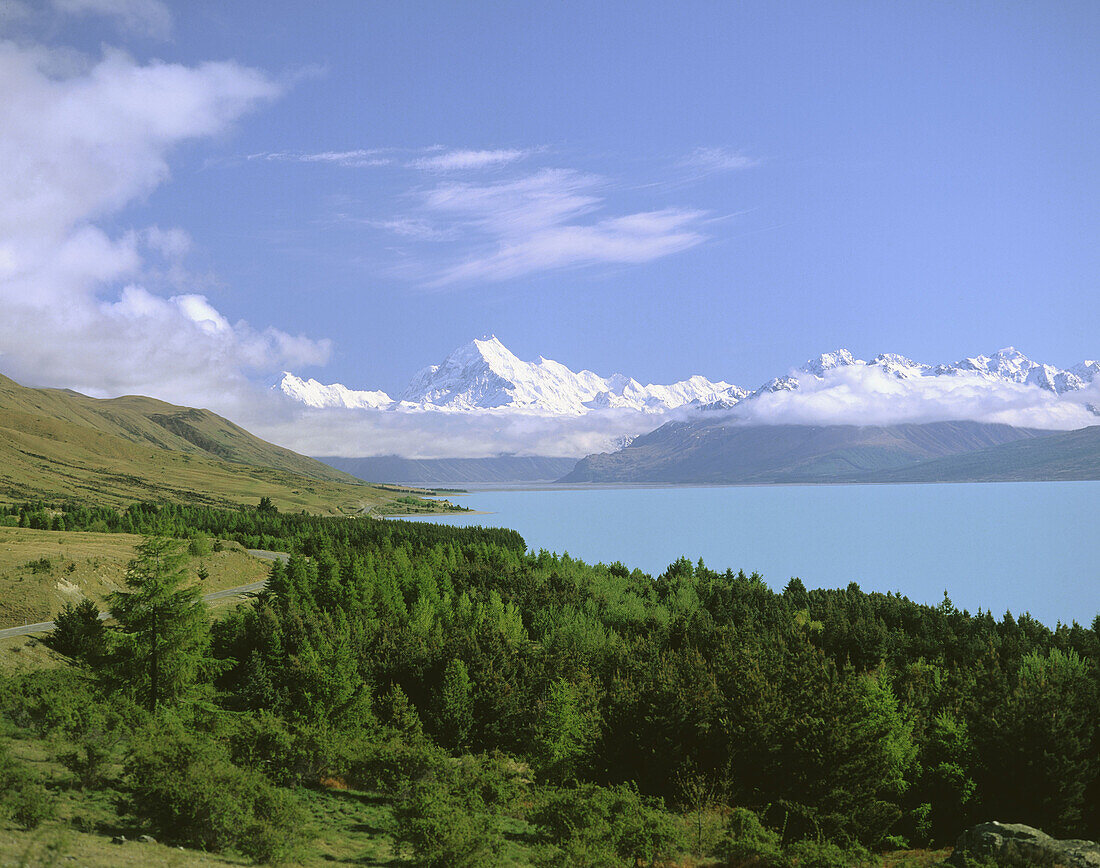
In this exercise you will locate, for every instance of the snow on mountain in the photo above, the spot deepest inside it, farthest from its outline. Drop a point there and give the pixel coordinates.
(484, 374)
(1008, 365)
(315, 394)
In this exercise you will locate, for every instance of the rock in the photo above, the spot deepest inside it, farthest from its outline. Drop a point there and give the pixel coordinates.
(118, 839)
(1019, 845)
(147, 839)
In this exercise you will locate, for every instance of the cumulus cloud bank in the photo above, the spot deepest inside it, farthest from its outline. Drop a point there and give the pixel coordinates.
(855, 395)
(80, 139)
(867, 395)
(431, 434)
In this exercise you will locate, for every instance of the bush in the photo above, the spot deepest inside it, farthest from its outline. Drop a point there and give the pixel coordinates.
(442, 832)
(825, 854)
(395, 765)
(185, 785)
(46, 701)
(747, 842)
(584, 824)
(87, 761)
(200, 545)
(31, 804)
(22, 798)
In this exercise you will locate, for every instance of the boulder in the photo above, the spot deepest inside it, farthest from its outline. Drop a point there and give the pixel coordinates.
(1018, 845)
(147, 839)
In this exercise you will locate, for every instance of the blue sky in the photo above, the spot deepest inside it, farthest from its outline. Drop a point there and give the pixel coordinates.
(659, 189)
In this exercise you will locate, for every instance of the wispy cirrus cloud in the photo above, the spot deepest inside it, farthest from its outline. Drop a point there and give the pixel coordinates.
(358, 158)
(541, 222)
(460, 160)
(414, 227)
(518, 220)
(710, 160)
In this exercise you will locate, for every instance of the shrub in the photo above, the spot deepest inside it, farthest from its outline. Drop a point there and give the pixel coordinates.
(442, 832)
(747, 842)
(22, 798)
(31, 804)
(185, 785)
(825, 854)
(46, 701)
(199, 545)
(583, 824)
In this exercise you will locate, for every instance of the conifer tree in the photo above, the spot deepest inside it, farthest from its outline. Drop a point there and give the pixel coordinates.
(164, 626)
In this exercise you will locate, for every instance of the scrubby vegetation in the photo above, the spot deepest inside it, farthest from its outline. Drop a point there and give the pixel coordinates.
(509, 707)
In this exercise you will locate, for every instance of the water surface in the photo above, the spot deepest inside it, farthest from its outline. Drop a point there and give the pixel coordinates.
(1021, 546)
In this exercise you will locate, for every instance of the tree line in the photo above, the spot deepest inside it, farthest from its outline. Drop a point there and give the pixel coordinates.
(474, 681)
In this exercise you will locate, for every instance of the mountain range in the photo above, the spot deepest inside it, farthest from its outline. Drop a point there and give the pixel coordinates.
(483, 375)
(719, 451)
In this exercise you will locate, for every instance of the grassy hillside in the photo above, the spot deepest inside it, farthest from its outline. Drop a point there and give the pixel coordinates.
(152, 423)
(57, 444)
(41, 571)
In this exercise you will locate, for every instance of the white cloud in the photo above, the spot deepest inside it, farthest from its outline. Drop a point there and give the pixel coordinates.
(534, 223)
(458, 160)
(172, 243)
(718, 160)
(140, 17)
(434, 434)
(412, 227)
(359, 158)
(865, 395)
(79, 140)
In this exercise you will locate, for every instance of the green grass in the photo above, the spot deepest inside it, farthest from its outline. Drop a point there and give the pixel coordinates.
(57, 445)
(41, 571)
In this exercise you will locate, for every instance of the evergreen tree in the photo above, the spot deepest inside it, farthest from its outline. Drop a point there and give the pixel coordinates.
(164, 626)
(79, 633)
(456, 705)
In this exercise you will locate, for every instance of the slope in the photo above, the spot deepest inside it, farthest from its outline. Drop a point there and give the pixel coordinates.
(455, 471)
(57, 444)
(1069, 455)
(149, 422)
(719, 452)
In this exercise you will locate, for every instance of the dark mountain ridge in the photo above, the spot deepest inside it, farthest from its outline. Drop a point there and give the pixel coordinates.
(454, 471)
(720, 451)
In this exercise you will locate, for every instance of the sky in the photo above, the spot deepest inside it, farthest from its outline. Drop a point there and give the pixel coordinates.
(197, 196)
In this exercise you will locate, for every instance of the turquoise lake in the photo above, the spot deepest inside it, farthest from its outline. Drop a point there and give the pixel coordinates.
(1020, 547)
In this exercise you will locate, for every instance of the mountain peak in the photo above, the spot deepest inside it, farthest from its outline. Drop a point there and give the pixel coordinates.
(485, 374)
(840, 358)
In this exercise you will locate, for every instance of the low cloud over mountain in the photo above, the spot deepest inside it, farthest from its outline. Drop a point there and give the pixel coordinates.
(482, 401)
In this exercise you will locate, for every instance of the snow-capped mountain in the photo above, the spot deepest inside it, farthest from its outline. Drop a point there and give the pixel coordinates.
(484, 375)
(315, 394)
(1008, 365)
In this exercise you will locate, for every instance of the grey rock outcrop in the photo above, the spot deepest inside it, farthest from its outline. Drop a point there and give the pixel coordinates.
(1018, 845)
